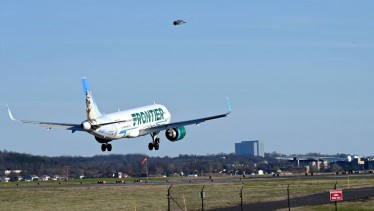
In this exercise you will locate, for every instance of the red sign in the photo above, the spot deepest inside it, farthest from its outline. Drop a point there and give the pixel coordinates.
(336, 195)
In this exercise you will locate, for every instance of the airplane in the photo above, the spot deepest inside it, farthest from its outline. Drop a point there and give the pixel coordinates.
(178, 22)
(131, 123)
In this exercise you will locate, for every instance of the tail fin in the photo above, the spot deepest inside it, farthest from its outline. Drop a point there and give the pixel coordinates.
(92, 110)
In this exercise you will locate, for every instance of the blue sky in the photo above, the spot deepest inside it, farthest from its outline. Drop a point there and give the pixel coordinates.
(298, 73)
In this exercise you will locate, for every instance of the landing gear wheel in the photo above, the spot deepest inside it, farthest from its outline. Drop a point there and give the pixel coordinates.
(103, 147)
(157, 146)
(109, 147)
(155, 142)
(150, 146)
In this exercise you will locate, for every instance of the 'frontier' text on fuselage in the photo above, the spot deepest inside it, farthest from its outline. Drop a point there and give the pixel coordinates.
(147, 116)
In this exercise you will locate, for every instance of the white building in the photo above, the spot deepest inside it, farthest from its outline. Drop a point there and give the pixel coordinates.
(44, 178)
(4, 179)
(7, 172)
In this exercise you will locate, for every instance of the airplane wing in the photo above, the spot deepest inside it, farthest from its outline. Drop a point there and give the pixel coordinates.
(49, 125)
(184, 123)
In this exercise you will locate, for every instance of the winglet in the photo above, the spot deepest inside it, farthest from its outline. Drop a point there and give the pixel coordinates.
(10, 114)
(228, 106)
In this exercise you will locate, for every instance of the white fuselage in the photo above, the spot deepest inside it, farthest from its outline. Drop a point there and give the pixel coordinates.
(134, 120)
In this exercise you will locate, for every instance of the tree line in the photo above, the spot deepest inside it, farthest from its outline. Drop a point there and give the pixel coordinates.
(131, 164)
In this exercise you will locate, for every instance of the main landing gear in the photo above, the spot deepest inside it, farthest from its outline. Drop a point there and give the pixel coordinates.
(106, 147)
(104, 144)
(155, 142)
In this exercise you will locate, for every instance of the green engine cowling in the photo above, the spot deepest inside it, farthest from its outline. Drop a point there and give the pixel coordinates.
(175, 134)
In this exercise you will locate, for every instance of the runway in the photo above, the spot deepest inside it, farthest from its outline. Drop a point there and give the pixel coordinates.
(311, 200)
(179, 180)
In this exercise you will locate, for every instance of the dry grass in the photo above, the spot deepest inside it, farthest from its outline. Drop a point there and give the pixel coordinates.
(85, 198)
(72, 196)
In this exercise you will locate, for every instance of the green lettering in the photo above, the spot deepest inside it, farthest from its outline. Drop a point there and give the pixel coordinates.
(139, 118)
(133, 119)
(151, 116)
(143, 117)
(161, 112)
(156, 114)
(148, 116)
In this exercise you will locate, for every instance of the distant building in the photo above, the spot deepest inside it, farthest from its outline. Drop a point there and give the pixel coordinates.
(30, 178)
(369, 164)
(251, 148)
(4, 179)
(44, 178)
(306, 163)
(354, 163)
(7, 172)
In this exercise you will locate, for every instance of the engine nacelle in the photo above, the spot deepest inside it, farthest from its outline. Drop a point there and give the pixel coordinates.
(86, 125)
(175, 134)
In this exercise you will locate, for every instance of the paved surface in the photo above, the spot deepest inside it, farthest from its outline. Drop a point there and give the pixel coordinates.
(176, 181)
(311, 200)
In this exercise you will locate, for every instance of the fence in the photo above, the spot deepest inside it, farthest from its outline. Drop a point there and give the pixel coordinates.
(287, 192)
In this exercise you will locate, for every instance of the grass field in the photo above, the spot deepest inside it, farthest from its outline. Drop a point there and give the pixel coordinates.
(72, 195)
(365, 204)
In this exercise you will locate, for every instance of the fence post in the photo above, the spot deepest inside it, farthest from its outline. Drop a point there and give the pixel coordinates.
(336, 203)
(288, 197)
(169, 197)
(202, 195)
(241, 198)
